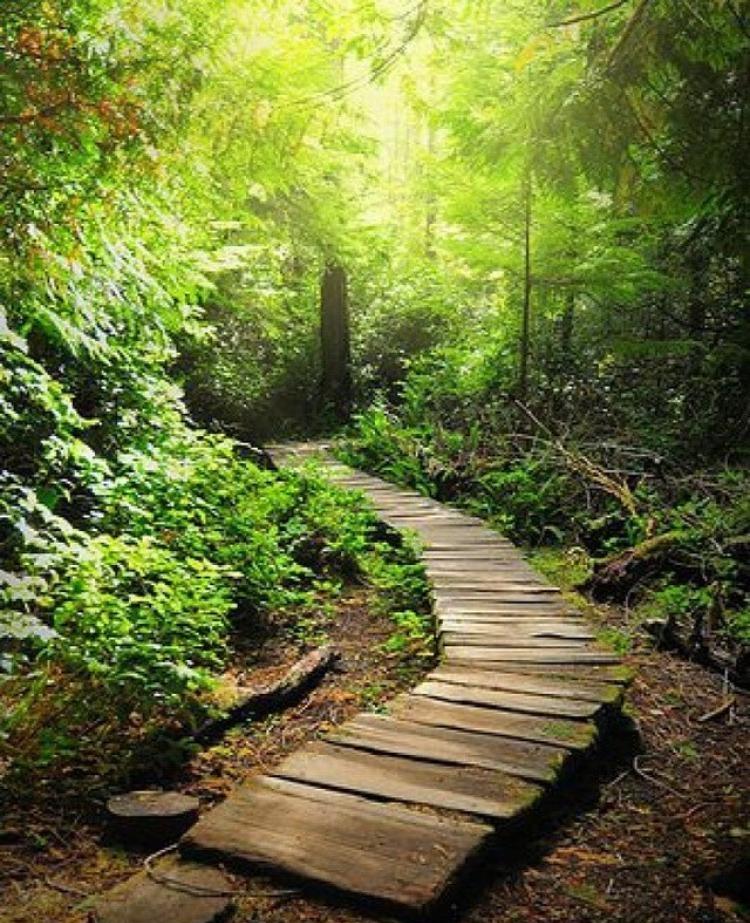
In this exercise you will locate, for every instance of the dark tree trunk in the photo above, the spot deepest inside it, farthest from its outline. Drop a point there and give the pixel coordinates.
(336, 383)
(566, 327)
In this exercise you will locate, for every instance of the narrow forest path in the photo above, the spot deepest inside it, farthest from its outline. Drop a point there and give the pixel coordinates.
(392, 808)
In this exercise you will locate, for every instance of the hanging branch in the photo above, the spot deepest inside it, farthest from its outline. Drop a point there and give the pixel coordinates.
(611, 482)
(631, 26)
(586, 17)
(378, 70)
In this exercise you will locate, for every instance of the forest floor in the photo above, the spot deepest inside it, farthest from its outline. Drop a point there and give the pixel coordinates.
(636, 843)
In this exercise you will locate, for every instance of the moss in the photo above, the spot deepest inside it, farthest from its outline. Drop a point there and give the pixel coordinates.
(582, 734)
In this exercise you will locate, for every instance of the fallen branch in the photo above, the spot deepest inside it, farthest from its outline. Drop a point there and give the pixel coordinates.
(614, 577)
(611, 482)
(256, 703)
(718, 712)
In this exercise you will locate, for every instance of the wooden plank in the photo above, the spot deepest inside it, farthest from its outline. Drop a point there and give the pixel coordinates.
(386, 734)
(518, 629)
(513, 576)
(490, 585)
(530, 655)
(511, 572)
(562, 732)
(405, 505)
(616, 674)
(447, 605)
(461, 540)
(497, 590)
(432, 515)
(468, 535)
(520, 682)
(459, 788)
(506, 639)
(501, 593)
(468, 569)
(517, 608)
(499, 633)
(508, 581)
(382, 852)
(475, 558)
(485, 573)
(461, 526)
(524, 702)
(142, 899)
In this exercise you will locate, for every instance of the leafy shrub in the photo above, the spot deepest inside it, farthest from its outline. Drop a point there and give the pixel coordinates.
(456, 433)
(139, 620)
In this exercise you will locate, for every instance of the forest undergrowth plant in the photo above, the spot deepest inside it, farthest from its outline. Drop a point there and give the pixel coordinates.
(640, 520)
(129, 618)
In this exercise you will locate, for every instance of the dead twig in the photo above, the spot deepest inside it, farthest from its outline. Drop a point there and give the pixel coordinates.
(65, 889)
(718, 712)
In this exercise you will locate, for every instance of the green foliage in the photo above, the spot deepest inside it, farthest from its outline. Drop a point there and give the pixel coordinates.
(175, 178)
(139, 620)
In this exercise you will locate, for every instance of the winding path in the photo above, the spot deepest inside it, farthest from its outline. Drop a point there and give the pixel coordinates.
(393, 807)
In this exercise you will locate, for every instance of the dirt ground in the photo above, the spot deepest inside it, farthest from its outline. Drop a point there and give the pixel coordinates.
(637, 842)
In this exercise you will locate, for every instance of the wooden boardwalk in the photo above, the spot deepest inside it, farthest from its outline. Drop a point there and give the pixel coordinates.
(393, 807)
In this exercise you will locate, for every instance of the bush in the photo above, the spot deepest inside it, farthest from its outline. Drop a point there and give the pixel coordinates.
(139, 620)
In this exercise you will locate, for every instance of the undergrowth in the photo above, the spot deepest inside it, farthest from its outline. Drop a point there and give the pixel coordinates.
(116, 630)
(455, 436)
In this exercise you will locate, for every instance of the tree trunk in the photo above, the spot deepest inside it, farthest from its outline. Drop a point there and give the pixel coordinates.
(430, 215)
(566, 327)
(336, 384)
(523, 368)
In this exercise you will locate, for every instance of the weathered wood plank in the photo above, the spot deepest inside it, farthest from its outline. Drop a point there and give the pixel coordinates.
(141, 899)
(497, 594)
(378, 851)
(524, 702)
(386, 734)
(573, 735)
(518, 630)
(463, 638)
(617, 674)
(492, 585)
(610, 693)
(502, 566)
(559, 656)
(469, 789)
(447, 605)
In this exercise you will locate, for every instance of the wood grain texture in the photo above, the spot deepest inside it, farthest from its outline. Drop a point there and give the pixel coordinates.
(467, 788)
(572, 735)
(387, 734)
(379, 851)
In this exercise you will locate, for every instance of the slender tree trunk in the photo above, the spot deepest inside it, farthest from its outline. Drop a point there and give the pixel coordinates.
(561, 362)
(566, 327)
(430, 215)
(336, 383)
(523, 368)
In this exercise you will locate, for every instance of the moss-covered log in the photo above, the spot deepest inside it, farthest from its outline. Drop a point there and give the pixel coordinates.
(614, 577)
